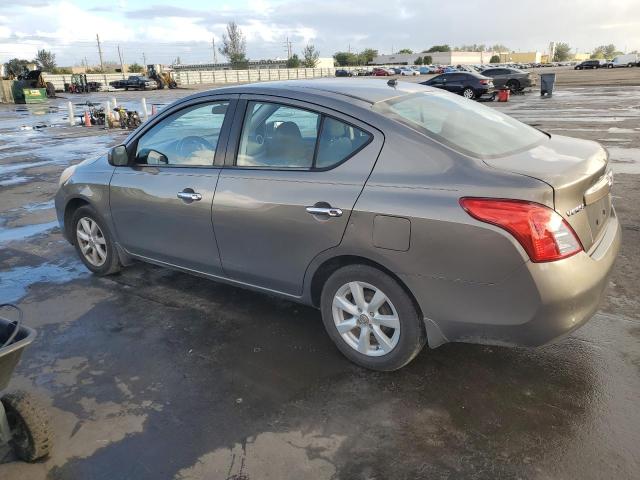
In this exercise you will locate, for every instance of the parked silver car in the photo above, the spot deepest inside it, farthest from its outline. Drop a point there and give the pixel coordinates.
(406, 214)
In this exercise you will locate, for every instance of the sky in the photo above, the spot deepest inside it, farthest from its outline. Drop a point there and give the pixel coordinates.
(162, 30)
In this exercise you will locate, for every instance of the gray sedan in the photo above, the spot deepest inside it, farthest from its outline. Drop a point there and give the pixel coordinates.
(404, 213)
(511, 78)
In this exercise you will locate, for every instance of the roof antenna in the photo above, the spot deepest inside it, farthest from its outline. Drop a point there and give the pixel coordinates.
(393, 82)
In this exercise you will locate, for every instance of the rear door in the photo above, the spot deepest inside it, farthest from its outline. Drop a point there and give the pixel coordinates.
(288, 188)
(161, 203)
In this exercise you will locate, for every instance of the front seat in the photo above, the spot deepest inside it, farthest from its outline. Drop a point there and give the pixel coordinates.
(287, 147)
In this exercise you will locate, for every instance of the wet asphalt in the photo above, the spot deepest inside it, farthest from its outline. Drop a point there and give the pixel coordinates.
(154, 374)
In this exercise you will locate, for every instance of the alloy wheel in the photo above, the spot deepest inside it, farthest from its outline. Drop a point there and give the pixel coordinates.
(468, 93)
(366, 319)
(91, 241)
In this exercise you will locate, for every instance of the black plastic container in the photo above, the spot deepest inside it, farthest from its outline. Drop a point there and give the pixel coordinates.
(10, 355)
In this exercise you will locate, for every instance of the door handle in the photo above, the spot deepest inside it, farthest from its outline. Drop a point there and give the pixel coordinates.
(329, 211)
(189, 196)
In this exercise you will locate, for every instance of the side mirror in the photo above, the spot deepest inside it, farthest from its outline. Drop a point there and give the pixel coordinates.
(118, 156)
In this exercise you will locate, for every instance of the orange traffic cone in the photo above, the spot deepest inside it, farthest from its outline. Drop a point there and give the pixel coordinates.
(87, 120)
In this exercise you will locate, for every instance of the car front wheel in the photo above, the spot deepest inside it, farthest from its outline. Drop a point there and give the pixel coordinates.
(94, 243)
(371, 319)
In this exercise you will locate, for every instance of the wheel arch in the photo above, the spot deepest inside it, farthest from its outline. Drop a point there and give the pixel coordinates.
(330, 265)
(70, 208)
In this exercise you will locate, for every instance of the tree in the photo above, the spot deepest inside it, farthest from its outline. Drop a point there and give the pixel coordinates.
(294, 61)
(346, 58)
(405, 50)
(498, 47)
(495, 59)
(311, 56)
(16, 66)
(234, 46)
(45, 60)
(562, 53)
(438, 48)
(368, 54)
(605, 51)
(135, 68)
(427, 60)
(418, 61)
(472, 48)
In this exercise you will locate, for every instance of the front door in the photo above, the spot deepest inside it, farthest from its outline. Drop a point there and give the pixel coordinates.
(161, 203)
(289, 190)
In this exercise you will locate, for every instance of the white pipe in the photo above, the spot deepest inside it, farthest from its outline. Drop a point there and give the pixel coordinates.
(107, 114)
(113, 102)
(72, 117)
(145, 113)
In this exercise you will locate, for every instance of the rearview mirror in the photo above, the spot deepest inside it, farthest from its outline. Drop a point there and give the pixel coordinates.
(118, 156)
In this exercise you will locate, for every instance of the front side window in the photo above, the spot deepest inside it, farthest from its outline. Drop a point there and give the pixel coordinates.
(186, 138)
(465, 126)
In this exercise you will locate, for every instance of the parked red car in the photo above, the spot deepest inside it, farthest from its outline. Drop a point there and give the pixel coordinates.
(380, 72)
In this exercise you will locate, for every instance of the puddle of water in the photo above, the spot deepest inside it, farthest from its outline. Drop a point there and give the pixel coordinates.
(20, 233)
(625, 160)
(13, 180)
(15, 283)
(621, 130)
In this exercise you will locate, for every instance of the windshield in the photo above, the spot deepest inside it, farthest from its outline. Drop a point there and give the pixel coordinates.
(461, 124)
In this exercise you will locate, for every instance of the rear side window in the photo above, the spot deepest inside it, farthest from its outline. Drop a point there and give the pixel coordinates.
(461, 124)
(281, 137)
(278, 136)
(338, 141)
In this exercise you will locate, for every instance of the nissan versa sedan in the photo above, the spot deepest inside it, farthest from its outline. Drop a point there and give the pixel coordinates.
(406, 214)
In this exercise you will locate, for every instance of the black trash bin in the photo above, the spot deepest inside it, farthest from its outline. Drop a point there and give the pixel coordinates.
(24, 426)
(547, 80)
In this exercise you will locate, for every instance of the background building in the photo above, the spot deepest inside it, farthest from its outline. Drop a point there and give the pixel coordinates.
(442, 58)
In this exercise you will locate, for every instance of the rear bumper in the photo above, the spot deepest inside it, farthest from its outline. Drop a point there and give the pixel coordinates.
(538, 303)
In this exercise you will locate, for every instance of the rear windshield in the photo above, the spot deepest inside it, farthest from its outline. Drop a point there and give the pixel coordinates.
(462, 124)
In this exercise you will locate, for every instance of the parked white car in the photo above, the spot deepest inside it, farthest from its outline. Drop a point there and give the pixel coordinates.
(408, 71)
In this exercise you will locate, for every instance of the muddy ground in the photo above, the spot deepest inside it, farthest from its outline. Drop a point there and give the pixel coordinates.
(154, 374)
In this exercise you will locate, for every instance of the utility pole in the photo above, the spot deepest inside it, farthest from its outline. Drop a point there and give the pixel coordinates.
(100, 53)
(213, 45)
(121, 64)
(144, 60)
(287, 45)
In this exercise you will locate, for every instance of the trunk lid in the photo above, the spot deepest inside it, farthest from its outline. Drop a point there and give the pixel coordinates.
(577, 171)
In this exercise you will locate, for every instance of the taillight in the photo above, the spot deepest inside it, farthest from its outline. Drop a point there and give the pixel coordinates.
(484, 82)
(541, 231)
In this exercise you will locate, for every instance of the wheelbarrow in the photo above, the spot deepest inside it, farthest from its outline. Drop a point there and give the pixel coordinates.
(24, 427)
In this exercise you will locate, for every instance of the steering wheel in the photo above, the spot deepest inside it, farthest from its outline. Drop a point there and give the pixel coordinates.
(187, 146)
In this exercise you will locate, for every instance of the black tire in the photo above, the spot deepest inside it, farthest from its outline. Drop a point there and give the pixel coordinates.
(126, 89)
(609, 66)
(111, 264)
(578, 68)
(29, 425)
(466, 94)
(412, 331)
(514, 85)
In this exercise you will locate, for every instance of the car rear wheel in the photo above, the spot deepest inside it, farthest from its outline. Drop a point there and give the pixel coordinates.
(513, 85)
(468, 93)
(94, 243)
(371, 319)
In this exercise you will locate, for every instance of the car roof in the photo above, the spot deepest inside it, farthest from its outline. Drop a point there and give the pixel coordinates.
(366, 90)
